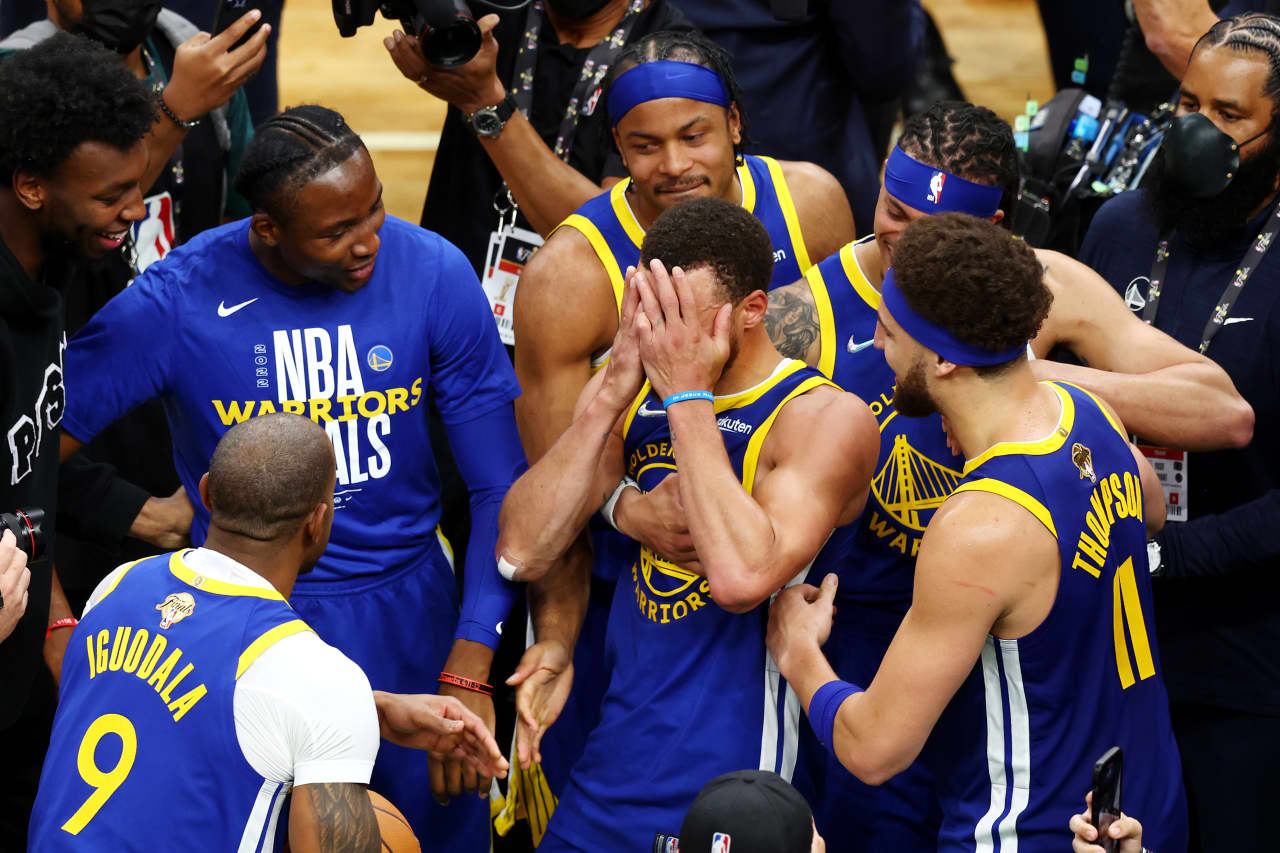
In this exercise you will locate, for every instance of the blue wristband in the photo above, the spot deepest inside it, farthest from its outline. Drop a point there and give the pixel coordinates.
(688, 395)
(823, 707)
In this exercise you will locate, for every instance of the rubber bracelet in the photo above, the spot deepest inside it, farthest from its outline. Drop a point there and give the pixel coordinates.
(823, 707)
(64, 622)
(466, 683)
(688, 395)
(609, 505)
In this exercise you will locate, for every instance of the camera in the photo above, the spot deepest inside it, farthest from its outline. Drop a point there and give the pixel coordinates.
(446, 29)
(26, 525)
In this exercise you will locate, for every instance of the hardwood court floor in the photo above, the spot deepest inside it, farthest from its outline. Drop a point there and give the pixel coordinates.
(998, 46)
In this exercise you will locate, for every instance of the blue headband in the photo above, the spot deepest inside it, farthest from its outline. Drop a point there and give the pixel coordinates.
(932, 190)
(937, 338)
(650, 81)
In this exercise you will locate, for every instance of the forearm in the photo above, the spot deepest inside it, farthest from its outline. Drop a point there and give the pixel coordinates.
(558, 601)
(1171, 29)
(1243, 539)
(1192, 406)
(546, 188)
(96, 503)
(162, 140)
(59, 608)
(734, 538)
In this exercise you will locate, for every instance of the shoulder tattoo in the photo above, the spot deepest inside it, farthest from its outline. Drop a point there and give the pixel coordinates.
(792, 322)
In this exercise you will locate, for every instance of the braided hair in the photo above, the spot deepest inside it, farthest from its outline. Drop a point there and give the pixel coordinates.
(1253, 31)
(290, 149)
(689, 47)
(966, 140)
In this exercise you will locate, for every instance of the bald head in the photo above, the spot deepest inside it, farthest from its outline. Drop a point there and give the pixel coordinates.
(267, 474)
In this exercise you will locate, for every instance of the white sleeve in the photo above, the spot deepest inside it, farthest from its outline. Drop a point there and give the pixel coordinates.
(304, 714)
(100, 590)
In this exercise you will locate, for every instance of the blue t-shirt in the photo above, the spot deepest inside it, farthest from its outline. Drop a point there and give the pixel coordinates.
(219, 340)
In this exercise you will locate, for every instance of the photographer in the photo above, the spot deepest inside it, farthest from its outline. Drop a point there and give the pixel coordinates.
(72, 128)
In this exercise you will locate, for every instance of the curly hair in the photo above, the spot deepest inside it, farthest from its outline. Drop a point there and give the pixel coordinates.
(288, 150)
(1257, 32)
(966, 140)
(684, 47)
(61, 93)
(972, 278)
(718, 235)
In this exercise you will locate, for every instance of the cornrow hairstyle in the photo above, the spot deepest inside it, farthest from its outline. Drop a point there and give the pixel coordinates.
(966, 140)
(682, 47)
(61, 93)
(1253, 31)
(290, 149)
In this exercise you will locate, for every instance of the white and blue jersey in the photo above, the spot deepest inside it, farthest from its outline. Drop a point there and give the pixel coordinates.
(144, 749)
(1018, 762)
(692, 693)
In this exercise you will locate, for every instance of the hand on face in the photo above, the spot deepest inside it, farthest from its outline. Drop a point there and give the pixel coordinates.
(678, 351)
(624, 374)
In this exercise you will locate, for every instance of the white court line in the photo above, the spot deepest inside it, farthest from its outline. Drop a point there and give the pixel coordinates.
(401, 140)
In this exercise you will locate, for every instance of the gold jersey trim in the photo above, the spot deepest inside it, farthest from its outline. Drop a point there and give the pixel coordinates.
(266, 641)
(789, 214)
(1041, 447)
(1106, 412)
(182, 572)
(600, 246)
(828, 345)
(1013, 493)
(751, 459)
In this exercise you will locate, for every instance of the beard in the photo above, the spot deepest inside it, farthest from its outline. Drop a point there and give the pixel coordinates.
(912, 398)
(1208, 222)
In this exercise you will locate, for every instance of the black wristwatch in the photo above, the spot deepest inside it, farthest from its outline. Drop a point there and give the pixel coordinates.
(489, 121)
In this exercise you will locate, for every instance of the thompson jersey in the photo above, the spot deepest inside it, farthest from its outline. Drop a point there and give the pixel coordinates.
(915, 472)
(692, 693)
(1088, 677)
(220, 340)
(615, 234)
(145, 731)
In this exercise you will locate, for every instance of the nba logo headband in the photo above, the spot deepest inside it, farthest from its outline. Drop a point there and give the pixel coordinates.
(935, 337)
(664, 78)
(932, 190)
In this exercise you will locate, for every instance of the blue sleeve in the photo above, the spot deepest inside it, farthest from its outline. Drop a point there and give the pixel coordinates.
(490, 458)
(470, 371)
(121, 358)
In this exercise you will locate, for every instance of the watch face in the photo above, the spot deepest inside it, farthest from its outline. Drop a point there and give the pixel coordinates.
(487, 123)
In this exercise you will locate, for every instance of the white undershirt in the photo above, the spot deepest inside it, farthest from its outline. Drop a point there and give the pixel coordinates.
(304, 711)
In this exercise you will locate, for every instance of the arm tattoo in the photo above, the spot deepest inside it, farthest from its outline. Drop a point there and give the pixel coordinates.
(345, 822)
(792, 323)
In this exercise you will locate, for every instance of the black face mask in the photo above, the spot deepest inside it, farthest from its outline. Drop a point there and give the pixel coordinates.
(118, 25)
(1199, 159)
(576, 10)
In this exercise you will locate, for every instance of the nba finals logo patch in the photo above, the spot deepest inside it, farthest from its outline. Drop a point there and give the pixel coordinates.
(935, 186)
(1083, 459)
(176, 607)
(380, 358)
(720, 843)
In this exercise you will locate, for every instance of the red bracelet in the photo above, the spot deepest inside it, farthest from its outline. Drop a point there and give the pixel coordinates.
(466, 683)
(64, 622)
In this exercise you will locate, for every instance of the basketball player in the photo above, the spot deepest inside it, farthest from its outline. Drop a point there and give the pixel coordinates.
(321, 304)
(214, 698)
(963, 156)
(678, 122)
(691, 692)
(1034, 570)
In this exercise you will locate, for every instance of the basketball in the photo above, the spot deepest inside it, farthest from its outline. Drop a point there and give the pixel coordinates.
(397, 837)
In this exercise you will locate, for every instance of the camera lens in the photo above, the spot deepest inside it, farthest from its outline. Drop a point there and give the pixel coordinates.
(452, 44)
(26, 525)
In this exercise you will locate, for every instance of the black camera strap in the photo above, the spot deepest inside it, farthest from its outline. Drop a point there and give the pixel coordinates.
(1252, 258)
(587, 92)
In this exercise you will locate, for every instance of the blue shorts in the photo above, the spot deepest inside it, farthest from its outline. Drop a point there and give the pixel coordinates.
(399, 628)
(903, 814)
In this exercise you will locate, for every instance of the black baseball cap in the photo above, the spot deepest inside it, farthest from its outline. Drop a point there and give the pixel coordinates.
(748, 811)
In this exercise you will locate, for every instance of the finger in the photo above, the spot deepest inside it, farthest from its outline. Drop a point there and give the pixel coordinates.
(684, 293)
(453, 778)
(470, 781)
(829, 585)
(257, 41)
(524, 744)
(528, 665)
(720, 328)
(24, 581)
(649, 298)
(630, 301)
(665, 291)
(435, 773)
(487, 23)
(232, 34)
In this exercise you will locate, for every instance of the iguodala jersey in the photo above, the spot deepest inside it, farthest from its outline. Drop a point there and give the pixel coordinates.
(219, 339)
(916, 471)
(692, 693)
(144, 749)
(1087, 678)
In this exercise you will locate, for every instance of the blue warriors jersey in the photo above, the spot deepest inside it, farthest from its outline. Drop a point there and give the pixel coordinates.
(615, 235)
(219, 339)
(144, 751)
(916, 471)
(692, 694)
(1088, 677)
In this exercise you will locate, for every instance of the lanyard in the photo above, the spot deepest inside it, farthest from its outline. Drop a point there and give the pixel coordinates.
(1252, 258)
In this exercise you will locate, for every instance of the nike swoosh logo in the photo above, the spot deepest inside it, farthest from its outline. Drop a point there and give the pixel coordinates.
(498, 627)
(854, 347)
(224, 311)
(1231, 320)
(646, 412)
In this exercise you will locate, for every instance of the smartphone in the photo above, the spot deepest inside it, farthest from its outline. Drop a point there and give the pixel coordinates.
(1106, 795)
(230, 11)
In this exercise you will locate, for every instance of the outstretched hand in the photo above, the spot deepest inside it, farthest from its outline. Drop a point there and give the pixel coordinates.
(542, 679)
(441, 726)
(679, 353)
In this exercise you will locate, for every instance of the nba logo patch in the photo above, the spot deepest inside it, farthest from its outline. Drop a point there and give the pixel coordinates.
(935, 186)
(720, 843)
(379, 358)
(590, 108)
